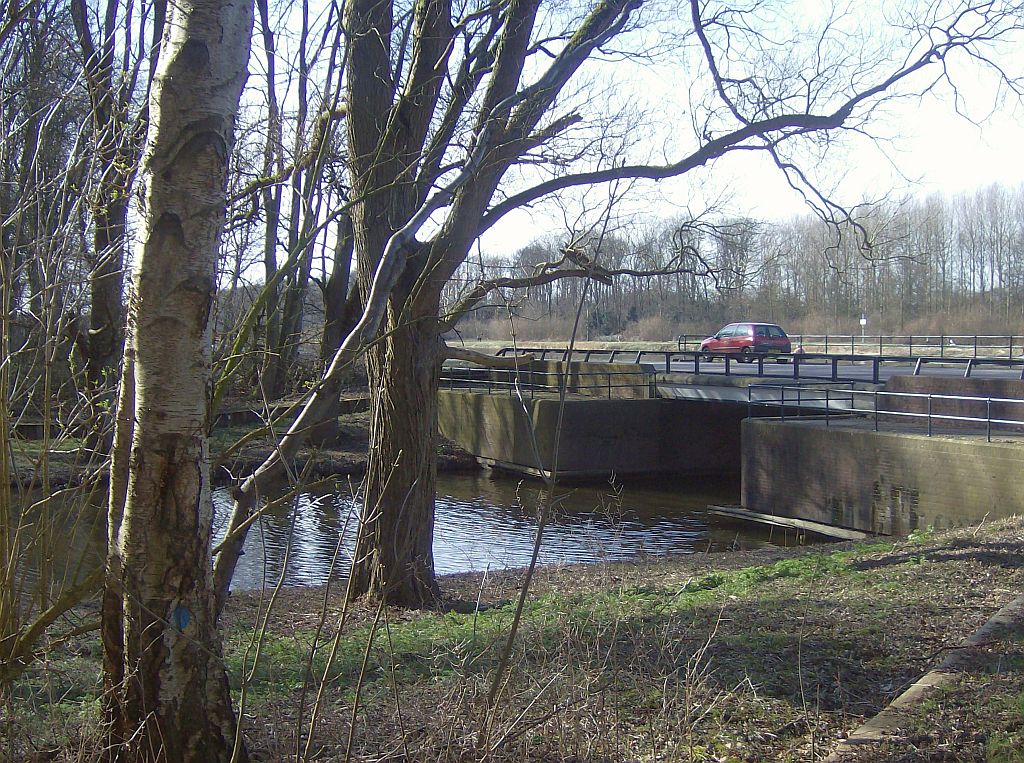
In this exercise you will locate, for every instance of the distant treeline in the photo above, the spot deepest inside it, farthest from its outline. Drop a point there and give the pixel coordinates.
(922, 265)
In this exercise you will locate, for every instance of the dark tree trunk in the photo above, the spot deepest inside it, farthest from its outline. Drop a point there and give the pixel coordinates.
(342, 308)
(106, 282)
(394, 551)
(338, 320)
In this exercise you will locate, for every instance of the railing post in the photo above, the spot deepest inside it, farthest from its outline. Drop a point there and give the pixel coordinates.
(975, 345)
(875, 395)
(970, 365)
(826, 344)
(988, 419)
(827, 409)
(853, 338)
(942, 345)
(796, 366)
(917, 367)
(835, 368)
(875, 363)
(929, 415)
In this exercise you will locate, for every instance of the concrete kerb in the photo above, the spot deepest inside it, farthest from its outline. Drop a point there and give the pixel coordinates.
(887, 724)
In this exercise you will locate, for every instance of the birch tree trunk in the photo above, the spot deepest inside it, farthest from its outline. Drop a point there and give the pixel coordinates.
(170, 699)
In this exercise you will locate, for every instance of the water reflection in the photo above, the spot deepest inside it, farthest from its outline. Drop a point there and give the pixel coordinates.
(485, 521)
(56, 540)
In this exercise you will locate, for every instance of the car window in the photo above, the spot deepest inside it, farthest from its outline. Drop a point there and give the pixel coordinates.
(725, 331)
(762, 331)
(775, 331)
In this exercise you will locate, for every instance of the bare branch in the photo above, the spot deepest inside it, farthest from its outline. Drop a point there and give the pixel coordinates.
(448, 352)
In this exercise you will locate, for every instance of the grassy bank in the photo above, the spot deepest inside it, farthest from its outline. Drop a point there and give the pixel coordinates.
(761, 655)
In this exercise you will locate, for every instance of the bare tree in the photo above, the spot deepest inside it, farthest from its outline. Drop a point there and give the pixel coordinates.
(447, 110)
(116, 76)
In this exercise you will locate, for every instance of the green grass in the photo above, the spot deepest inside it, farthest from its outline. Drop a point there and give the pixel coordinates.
(1007, 745)
(443, 645)
(759, 647)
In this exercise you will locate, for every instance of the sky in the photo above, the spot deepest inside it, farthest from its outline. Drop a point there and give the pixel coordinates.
(938, 151)
(926, 148)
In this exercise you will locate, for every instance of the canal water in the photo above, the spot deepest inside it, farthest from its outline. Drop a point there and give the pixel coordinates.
(483, 521)
(487, 521)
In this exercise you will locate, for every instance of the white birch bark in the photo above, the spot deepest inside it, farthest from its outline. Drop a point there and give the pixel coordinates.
(172, 701)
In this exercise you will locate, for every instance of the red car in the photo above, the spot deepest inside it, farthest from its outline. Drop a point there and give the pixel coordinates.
(747, 341)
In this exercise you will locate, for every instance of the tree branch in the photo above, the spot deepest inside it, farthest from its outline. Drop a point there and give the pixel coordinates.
(773, 129)
(549, 272)
(481, 359)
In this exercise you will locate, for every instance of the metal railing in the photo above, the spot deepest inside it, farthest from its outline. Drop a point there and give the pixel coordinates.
(561, 354)
(531, 383)
(804, 365)
(961, 414)
(940, 345)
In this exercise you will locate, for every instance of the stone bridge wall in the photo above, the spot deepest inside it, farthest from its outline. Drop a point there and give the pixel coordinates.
(881, 482)
(595, 437)
(1004, 389)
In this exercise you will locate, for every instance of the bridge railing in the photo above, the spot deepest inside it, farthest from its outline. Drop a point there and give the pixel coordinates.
(804, 365)
(562, 354)
(530, 383)
(905, 345)
(928, 413)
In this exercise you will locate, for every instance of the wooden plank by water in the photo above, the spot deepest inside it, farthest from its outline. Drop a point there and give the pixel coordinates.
(829, 531)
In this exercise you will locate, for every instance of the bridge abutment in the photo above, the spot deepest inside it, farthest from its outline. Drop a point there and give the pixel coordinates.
(594, 438)
(847, 475)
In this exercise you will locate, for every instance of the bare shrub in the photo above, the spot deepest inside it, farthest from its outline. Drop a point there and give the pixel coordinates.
(653, 329)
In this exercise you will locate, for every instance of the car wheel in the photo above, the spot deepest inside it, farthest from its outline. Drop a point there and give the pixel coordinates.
(707, 357)
(747, 356)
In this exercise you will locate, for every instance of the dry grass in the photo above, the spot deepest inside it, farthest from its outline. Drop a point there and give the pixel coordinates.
(749, 656)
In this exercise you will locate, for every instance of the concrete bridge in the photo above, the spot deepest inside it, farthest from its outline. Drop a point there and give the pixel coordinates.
(914, 452)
